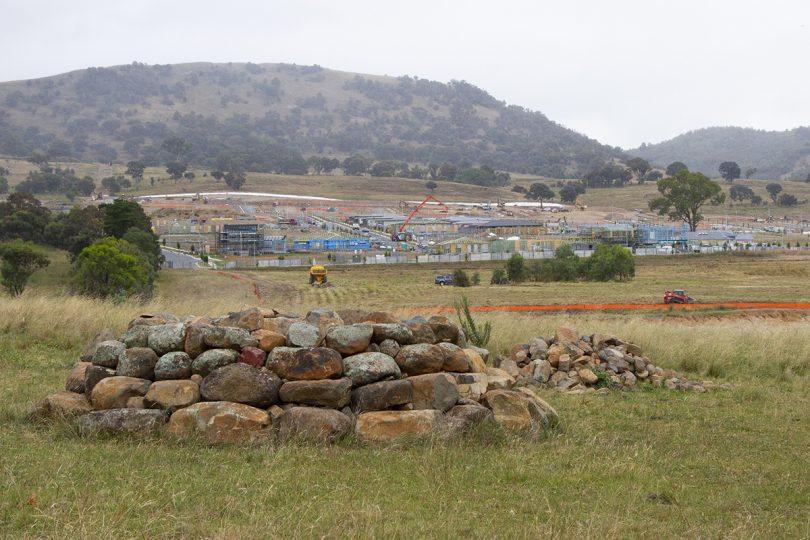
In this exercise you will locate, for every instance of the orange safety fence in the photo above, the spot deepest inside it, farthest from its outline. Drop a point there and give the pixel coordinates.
(595, 307)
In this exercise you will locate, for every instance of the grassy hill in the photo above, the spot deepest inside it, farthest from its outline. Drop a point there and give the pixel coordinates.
(272, 115)
(774, 154)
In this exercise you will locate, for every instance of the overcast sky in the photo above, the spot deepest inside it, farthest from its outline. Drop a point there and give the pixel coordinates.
(621, 71)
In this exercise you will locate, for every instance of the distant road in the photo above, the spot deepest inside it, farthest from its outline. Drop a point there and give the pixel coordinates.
(178, 260)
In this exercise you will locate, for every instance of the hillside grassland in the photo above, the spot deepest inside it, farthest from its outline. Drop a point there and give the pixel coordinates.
(649, 463)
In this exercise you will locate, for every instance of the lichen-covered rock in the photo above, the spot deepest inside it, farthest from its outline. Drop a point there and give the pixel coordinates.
(220, 422)
(498, 379)
(383, 426)
(434, 391)
(107, 353)
(227, 337)
(395, 331)
(280, 324)
(93, 374)
(332, 393)
(305, 364)
(241, 383)
(167, 338)
(389, 347)
(172, 366)
(471, 385)
(269, 340)
(349, 339)
(477, 362)
(194, 344)
(75, 381)
(549, 416)
(519, 411)
(118, 421)
(302, 334)
(113, 392)
(365, 368)
(463, 418)
(382, 395)
(171, 395)
(252, 356)
(153, 319)
(422, 332)
(62, 405)
(211, 360)
(314, 425)
(323, 320)
(564, 334)
(137, 336)
(420, 358)
(138, 362)
(90, 350)
(443, 328)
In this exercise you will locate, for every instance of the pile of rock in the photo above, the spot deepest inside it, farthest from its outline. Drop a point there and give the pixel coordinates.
(569, 362)
(261, 373)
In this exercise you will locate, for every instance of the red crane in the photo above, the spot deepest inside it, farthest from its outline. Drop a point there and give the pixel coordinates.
(401, 235)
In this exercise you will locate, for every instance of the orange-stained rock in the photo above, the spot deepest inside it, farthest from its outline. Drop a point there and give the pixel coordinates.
(220, 422)
(302, 364)
(564, 334)
(62, 405)
(113, 392)
(75, 381)
(434, 391)
(269, 340)
(519, 411)
(477, 364)
(420, 358)
(171, 395)
(314, 425)
(390, 425)
(455, 359)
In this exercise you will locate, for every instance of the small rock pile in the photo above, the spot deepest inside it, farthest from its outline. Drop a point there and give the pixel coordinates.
(261, 373)
(568, 362)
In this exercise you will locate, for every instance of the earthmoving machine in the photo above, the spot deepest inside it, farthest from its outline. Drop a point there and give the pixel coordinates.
(678, 296)
(317, 276)
(402, 235)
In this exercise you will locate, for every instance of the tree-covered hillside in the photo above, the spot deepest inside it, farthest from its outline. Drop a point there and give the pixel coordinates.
(272, 116)
(774, 154)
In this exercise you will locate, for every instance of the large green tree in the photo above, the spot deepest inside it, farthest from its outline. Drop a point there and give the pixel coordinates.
(121, 215)
(112, 268)
(773, 189)
(539, 191)
(683, 195)
(19, 260)
(23, 216)
(674, 168)
(75, 230)
(729, 170)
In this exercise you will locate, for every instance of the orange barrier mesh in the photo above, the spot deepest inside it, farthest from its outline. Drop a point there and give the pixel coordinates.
(595, 307)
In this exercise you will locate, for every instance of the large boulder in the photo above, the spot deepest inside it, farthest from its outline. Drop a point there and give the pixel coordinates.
(173, 365)
(382, 426)
(396, 331)
(62, 405)
(92, 375)
(75, 381)
(129, 421)
(477, 362)
(349, 339)
(382, 395)
(434, 391)
(455, 359)
(279, 325)
(444, 329)
(212, 359)
(305, 364)
(107, 353)
(333, 393)
(471, 385)
(153, 319)
(220, 422)
(90, 350)
(269, 340)
(314, 425)
(564, 334)
(463, 418)
(389, 347)
(248, 319)
(194, 344)
(138, 362)
(302, 334)
(547, 414)
(241, 383)
(167, 338)
(113, 392)
(518, 411)
(355, 316)
(171, 395)
(323, 319)
(498, 379)
(420, 358)
(137, 336)
(422, 332)
(226, 337)
(365, 368)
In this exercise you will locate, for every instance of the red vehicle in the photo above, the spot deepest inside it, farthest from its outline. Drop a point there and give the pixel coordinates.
(678, 296)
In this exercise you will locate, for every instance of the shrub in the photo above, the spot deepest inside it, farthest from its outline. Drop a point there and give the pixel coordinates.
(113, 268)
(499, 277)
(610, 262)
(476, 279)
(460, 278)
(19, 261)
(516, 268)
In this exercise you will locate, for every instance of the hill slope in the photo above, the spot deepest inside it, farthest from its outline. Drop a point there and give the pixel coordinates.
(273, 114)
(775, 154)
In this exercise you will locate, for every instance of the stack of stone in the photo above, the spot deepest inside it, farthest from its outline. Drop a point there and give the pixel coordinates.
(261, 373)
(569, 362)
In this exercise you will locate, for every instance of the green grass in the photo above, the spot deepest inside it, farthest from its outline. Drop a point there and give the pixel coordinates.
(727, 463)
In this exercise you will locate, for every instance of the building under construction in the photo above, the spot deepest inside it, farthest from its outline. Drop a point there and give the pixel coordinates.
(248, 240)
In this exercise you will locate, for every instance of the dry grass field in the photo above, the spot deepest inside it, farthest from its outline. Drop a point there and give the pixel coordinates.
(654, 463)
